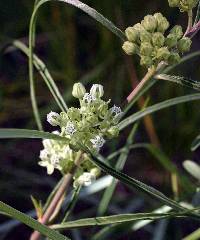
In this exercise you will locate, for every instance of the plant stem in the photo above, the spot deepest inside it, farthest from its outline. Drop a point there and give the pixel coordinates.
(63, 187)
(190, 22)
(58, 196)
(146, 78)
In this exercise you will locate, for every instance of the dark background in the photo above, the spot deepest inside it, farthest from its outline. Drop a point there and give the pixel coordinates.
(76, 48)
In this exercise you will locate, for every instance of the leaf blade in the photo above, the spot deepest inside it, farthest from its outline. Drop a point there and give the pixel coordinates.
(27, 220)
(26, 133)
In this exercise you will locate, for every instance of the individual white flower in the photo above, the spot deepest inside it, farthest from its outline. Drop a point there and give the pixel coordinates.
(55, 159)
(97, 90)
(86, 179)
(88, 98)
(97, 142)
(48, 165)
(53, 118)
(70, 128)
(116, 111)
(47, 143)
(44, 154)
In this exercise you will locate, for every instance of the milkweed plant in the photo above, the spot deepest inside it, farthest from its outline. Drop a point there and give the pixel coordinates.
(80, 132)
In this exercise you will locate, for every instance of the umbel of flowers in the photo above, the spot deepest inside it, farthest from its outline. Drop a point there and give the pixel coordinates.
(88, 125)
(148, 40)
(183, 5)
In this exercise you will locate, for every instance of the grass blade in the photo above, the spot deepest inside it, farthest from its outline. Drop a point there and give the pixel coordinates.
(195, 143)
(26, 133)
(180, 80)
(162, 105)
(27, 220)
(132, 182)
(121, 218)
(42, 69)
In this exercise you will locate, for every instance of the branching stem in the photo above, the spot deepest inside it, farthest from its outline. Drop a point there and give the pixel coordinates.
(146, 78)
(190, 22)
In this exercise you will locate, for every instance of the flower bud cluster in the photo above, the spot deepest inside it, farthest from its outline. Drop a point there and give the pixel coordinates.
(147, 39)
(88, 126)
(183, 5)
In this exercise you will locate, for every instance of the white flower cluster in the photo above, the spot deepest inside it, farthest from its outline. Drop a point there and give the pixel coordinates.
(88, 126)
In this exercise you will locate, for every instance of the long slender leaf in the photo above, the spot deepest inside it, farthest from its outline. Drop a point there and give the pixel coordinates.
(25, 133)
(137, 184)
(27, 220)
(162, 105)
(88, 10)
(195, 143)
(121, 218)
(42, 69)
(180, 80)
(198, 14)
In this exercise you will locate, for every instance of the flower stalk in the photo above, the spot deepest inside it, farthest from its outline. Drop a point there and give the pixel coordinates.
(58, 196)
(142, 83)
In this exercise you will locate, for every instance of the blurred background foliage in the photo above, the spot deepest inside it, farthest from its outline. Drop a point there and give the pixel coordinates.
(76, 48)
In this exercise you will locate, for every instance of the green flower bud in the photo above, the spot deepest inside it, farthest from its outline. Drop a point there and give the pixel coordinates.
(184, 44)
(95, 171)
(132, 34)
(149, 23)
(177, 30)
(102, 110)
(78, 90)
(146, 61)
(163, 54)
(187, 5)
(138, 27)
(146, 49)
(158, 39)
(73, 114)
(113, 132)
(97, 91)
(162, 23)
(171, 40)
(173, 3)
(174, 58)
(145, 36)
(130, 48)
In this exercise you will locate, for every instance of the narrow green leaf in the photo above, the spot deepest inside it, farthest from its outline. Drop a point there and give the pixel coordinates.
(162, 105)
(46, 231)
(91, 12)
(136, 184)
(26, 133)
(42, 69)
(195, 143)
(197, 18)
(121, 218)
(180, 80)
